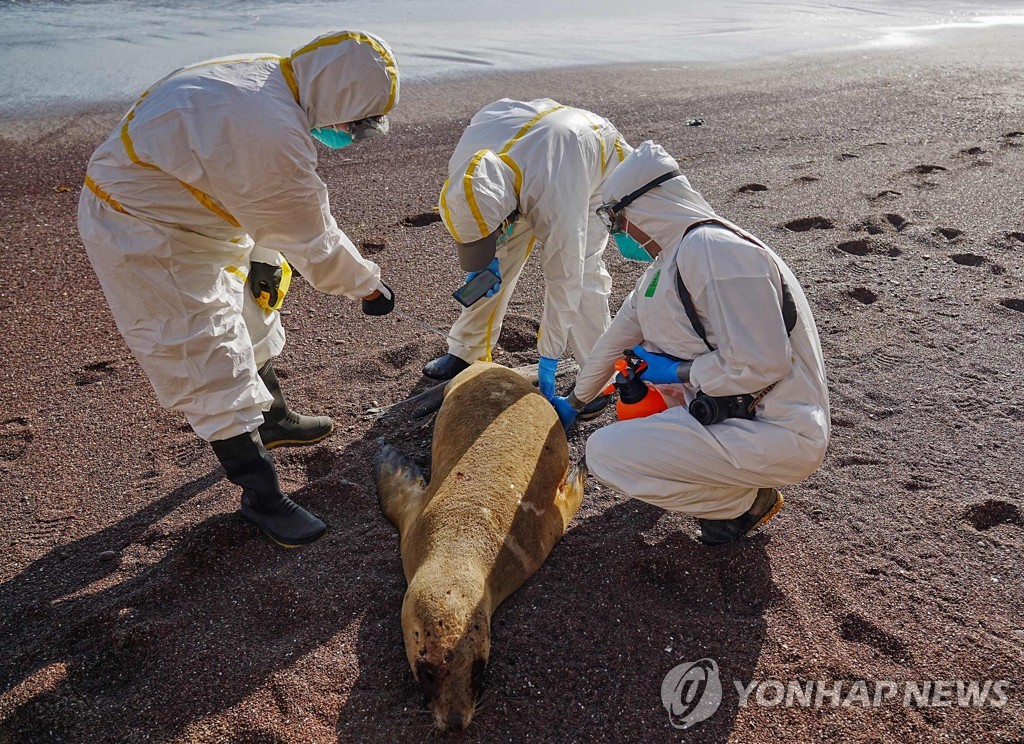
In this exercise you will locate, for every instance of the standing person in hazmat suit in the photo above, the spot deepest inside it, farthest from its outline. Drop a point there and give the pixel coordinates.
(529, 174)
(191, 203)
(723, 325)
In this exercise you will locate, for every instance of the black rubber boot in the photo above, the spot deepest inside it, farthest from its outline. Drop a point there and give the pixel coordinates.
(594, 408)
(282, 427)
(767, 504)
(445, 367)
(248, 464)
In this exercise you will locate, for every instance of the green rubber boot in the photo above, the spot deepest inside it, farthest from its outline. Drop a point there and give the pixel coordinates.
(282, 427)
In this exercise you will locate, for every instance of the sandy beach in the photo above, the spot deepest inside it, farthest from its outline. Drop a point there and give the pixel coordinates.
(136, 605)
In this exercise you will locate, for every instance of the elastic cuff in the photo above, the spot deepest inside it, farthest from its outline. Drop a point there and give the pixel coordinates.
(576, 403)
(683, 371)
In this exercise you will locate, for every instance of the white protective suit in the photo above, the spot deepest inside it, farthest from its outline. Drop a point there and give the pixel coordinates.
(212, 167)
(550, 161)
(668, 459)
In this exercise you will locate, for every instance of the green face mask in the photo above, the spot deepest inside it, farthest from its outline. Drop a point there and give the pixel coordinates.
(630, 248)
(333, 138)
(506, 233)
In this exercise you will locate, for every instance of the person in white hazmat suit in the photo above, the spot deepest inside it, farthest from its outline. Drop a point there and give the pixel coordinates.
(527, 175)
(752, 335)
(194, 211)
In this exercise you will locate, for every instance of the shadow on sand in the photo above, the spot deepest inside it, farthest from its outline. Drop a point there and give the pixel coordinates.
(221, 615)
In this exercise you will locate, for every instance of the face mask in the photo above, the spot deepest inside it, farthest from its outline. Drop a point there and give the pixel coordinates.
(333, 138)
(630, 248)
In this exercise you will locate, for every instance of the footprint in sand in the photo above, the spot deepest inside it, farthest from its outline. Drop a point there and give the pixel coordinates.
(870, 226)
(972, 259)
(925, 169)
(319, 463)
(806, 179)
(876, 226)
(991, 513)
(920, 482)
(886, 359)
(863, 295)
(883, 195)
(863, 247)
(949, 233)
(896, 220)
(809, 223)
(854, 460)
(1015, 237)
(855, 247)
(1012, 139)
(1013, 304)
(190, 452)
(857, 629)
(422, 219)
(370, 247)
(518, 333)
(399, 356)
(751, 187)
(15, 437)
(93, 373)
(973, 151)
(968, 259)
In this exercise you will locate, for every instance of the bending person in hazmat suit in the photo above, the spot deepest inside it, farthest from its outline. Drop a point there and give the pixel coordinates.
(210, 177)
(528, 175)
(717, 314)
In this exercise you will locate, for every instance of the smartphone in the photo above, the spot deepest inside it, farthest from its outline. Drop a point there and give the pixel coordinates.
(476, 287)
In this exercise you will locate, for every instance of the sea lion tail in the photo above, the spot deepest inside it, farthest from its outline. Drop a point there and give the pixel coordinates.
(400, 484)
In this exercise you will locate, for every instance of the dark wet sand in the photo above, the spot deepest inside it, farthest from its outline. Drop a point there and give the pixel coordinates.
(136, 605)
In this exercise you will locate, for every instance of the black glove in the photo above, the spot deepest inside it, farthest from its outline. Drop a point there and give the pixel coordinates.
(383, 304)
(265, 279)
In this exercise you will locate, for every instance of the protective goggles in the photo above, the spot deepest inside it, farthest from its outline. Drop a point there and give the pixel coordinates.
(611, 214)
(368, 128)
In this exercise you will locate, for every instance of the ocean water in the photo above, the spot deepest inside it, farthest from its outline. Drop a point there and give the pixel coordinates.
(74, 53)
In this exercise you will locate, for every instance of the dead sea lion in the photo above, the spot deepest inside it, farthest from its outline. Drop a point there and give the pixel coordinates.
(500, 496)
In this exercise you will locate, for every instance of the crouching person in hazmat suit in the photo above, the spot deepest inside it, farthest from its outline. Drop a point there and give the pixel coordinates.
(526, 175)
(728, 338)
(196, 207)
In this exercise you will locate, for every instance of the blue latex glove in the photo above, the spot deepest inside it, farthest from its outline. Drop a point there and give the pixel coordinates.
(492, 266)
(661, 369)
(546, 376)
(566, 413)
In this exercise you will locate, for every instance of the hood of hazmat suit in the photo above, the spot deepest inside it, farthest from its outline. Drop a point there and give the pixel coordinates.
(214, 166)
(488, 196)
(665, 211)
(344, 77)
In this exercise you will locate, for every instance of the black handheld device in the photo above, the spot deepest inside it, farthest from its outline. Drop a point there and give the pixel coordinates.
(476, 287)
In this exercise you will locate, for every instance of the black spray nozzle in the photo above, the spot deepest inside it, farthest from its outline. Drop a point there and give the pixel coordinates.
(635, 366)
(630, 387)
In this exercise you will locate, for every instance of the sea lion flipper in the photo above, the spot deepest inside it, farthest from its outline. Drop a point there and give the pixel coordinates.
(570, 493)
(400, 484)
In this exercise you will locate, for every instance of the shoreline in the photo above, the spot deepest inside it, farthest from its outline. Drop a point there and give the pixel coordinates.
(24, 127)
(135, 603)
(125, 53)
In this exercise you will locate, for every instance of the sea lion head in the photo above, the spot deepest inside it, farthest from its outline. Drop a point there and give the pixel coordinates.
(448, 641)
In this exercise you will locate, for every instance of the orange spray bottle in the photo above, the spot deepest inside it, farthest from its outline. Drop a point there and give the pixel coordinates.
(636, 397)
